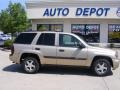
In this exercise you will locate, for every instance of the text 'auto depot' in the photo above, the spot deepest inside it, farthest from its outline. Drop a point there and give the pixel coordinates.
(77, 11)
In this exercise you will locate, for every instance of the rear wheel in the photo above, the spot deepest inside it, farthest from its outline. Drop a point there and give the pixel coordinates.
(31, 65)
(101, 67)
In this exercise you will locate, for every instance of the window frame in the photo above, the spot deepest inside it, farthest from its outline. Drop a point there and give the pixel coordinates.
(69, 46)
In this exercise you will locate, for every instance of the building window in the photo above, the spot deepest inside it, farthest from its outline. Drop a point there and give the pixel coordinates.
(114, 33)
(49, 27)
(42, 27)
(89, 32)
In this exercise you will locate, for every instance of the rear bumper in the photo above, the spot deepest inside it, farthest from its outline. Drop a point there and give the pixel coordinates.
(116, 63)
(13, 59)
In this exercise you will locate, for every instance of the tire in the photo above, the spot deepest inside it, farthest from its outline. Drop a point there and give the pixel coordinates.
(101, 67)
(31, 65)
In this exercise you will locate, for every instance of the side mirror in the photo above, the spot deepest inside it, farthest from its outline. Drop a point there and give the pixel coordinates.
(80, 46)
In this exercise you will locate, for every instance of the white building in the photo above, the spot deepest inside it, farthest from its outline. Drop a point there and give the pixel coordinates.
(98, 21)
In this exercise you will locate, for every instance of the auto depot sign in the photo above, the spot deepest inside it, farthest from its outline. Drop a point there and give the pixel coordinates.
(75, 12)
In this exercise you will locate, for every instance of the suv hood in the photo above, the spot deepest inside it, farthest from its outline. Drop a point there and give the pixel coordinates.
(104, 51)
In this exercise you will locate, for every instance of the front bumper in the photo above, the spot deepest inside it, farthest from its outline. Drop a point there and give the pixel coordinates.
(116, 63)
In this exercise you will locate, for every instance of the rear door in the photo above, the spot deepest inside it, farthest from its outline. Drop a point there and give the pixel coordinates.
(46, 45)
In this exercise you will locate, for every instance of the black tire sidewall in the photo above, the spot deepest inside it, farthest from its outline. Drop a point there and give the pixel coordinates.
(37, 65)
(101, 60)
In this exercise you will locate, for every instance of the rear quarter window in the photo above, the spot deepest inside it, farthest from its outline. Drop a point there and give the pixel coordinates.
(25, 38)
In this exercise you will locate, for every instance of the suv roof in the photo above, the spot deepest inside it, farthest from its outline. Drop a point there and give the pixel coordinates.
(47, 32)
(40, 31)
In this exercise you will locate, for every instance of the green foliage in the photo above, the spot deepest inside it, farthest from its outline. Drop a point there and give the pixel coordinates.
(42, 27)
(13, 19)
(8, 43)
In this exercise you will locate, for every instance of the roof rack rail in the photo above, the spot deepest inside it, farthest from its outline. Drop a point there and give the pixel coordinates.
(41, 31)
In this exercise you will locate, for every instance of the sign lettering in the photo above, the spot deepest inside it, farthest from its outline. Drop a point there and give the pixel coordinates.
(77, 12)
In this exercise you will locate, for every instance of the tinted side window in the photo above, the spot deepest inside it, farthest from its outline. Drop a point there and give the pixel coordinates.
(46, 39)
(25, 38)
(68, 41)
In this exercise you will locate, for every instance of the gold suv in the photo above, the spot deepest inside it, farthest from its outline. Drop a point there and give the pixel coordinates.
(34, 49)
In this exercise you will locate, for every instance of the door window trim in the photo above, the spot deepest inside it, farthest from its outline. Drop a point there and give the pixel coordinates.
(66, 46)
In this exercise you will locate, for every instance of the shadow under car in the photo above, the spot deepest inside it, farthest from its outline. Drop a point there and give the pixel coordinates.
(53, 69)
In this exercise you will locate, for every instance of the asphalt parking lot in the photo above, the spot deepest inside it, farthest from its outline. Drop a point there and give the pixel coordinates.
(12, 77)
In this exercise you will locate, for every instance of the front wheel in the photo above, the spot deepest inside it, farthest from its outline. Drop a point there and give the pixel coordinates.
(101, 67)
(30, 65)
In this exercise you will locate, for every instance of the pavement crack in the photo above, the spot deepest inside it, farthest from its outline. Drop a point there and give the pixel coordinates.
(105, 83)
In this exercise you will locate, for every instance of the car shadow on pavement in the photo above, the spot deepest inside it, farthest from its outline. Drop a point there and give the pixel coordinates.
(60, 70)
(13, 68)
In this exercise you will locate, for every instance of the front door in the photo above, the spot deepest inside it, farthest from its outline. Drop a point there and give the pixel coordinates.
(69, 52)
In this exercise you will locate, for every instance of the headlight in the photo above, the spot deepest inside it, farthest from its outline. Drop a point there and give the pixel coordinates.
(116, 54)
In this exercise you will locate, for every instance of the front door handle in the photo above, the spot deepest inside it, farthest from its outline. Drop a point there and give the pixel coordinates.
(61, 50)
(37, 48)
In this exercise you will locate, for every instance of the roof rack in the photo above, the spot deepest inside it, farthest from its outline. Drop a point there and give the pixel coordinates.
(41, 31)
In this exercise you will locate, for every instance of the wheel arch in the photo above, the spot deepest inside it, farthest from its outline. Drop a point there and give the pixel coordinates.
(106, 57)
(24, 55)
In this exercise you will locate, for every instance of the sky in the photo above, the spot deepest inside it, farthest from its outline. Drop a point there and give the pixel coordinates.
(4, 3)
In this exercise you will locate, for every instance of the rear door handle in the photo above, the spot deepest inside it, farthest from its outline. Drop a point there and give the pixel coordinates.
(37, 48)
(61, 50)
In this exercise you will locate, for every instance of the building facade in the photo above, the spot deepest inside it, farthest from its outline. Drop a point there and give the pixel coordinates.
(97, 21)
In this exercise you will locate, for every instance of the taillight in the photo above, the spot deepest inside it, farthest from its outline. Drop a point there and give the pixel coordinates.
(12, 50)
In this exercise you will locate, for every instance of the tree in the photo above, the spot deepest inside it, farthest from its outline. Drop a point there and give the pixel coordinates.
(13, 19)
